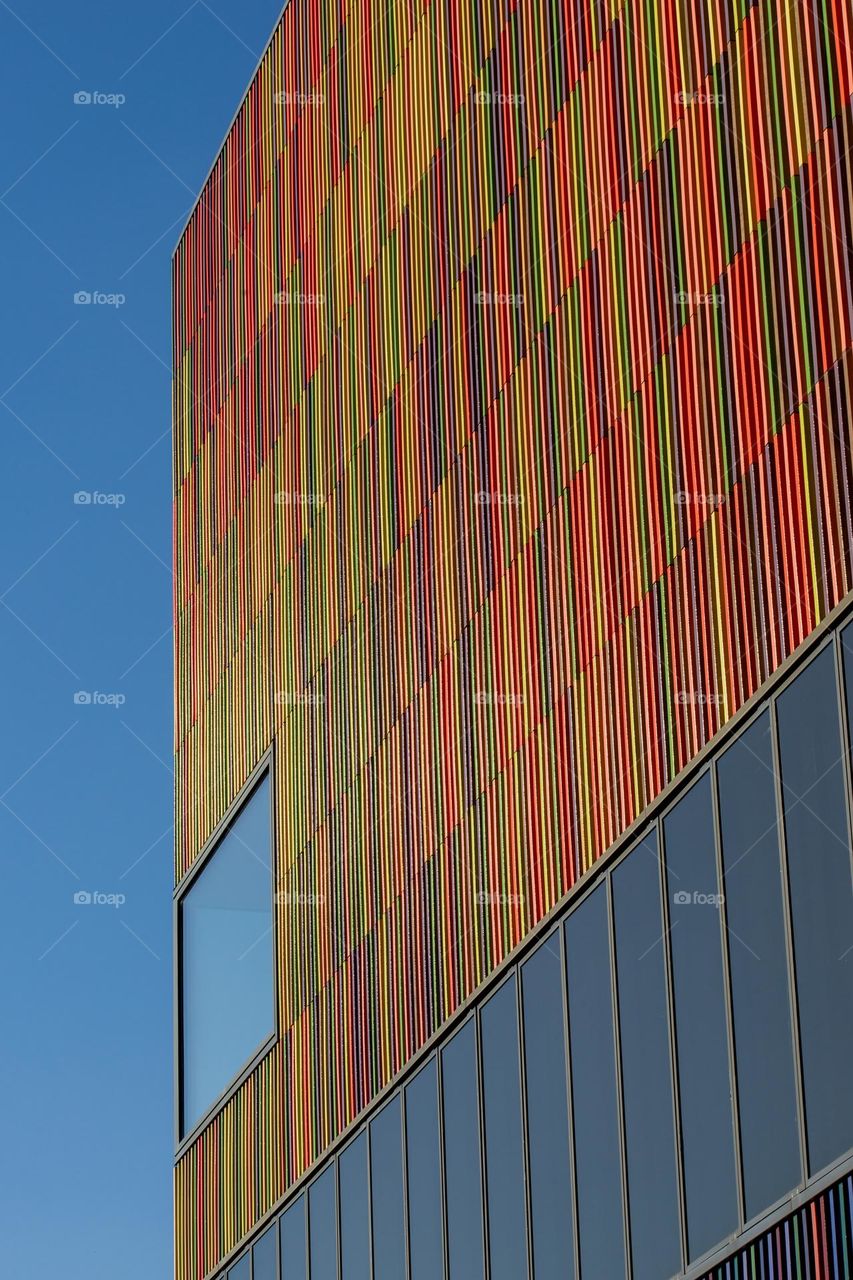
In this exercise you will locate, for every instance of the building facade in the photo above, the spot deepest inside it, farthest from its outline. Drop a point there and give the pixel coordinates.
(514, 677)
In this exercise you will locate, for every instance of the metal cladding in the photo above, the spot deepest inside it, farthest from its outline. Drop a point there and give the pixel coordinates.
(512, 394)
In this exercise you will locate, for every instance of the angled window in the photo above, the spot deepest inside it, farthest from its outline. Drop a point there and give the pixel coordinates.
(225, 922)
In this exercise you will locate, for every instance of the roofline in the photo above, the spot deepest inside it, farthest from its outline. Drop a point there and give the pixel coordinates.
(233, 121)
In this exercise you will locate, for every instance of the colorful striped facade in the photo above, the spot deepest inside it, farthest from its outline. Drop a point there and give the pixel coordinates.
(513, 351)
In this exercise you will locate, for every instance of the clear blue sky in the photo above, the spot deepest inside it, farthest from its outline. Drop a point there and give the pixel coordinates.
(93, 198)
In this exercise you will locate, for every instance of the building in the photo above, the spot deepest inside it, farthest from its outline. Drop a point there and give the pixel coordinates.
(514, 524)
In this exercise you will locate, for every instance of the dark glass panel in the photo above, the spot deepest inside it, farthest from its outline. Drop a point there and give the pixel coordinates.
(294, 1242)
(601, 1239)
(423, 1177)
(462, 1156)
(386, 1185)
(548, 1141)
(503, 1132)
(241, 1270)
(265, 1255)
(646, 1065)
(323, 1227)
(761, 1002)
(700, 1021)
(355, 1211)
(821, 901)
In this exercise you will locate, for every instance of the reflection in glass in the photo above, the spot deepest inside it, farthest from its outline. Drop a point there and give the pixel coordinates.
(758, 964)
(323, 1227)
(646, 1067)
(601, 1239)
(548, 1149)
(700, 1020)
(294, 1242)
(462, 1156)
(502, 1111)
(423, 1179)
(355, 1211)
(227, 959)
(386, 1184)
(821, 901)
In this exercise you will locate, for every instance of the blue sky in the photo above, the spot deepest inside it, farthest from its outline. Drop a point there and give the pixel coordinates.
(93, 197)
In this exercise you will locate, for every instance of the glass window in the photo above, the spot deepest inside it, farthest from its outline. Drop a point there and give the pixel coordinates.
(601, 1239)
(700, 1020)
(758, 964)
(265, 1256)
(548, 1143)
(821, 902)
(646, 1065)
(423, 1180)
(294, 1242)
(323, 1227)
(386, 1187)
(504, 1159)
(241, 1270)
(463, 1198)
(355, 1211)
(227, 1000)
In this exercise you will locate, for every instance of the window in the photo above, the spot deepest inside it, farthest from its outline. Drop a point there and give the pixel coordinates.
(241, 1270)
(821, 902)
(646, 1070)
(265, 1256)
(226, 957)
(355, 1211)
(464, 1197)
(386, 1187)
(323, 1226)
(423, 1181)
(592, 1052)
(294, 1242)
(504, 1159)
(548, 1145)
(758, 963)
(700, 1020)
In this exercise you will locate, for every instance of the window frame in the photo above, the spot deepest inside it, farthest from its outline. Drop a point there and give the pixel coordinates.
(265, 768)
